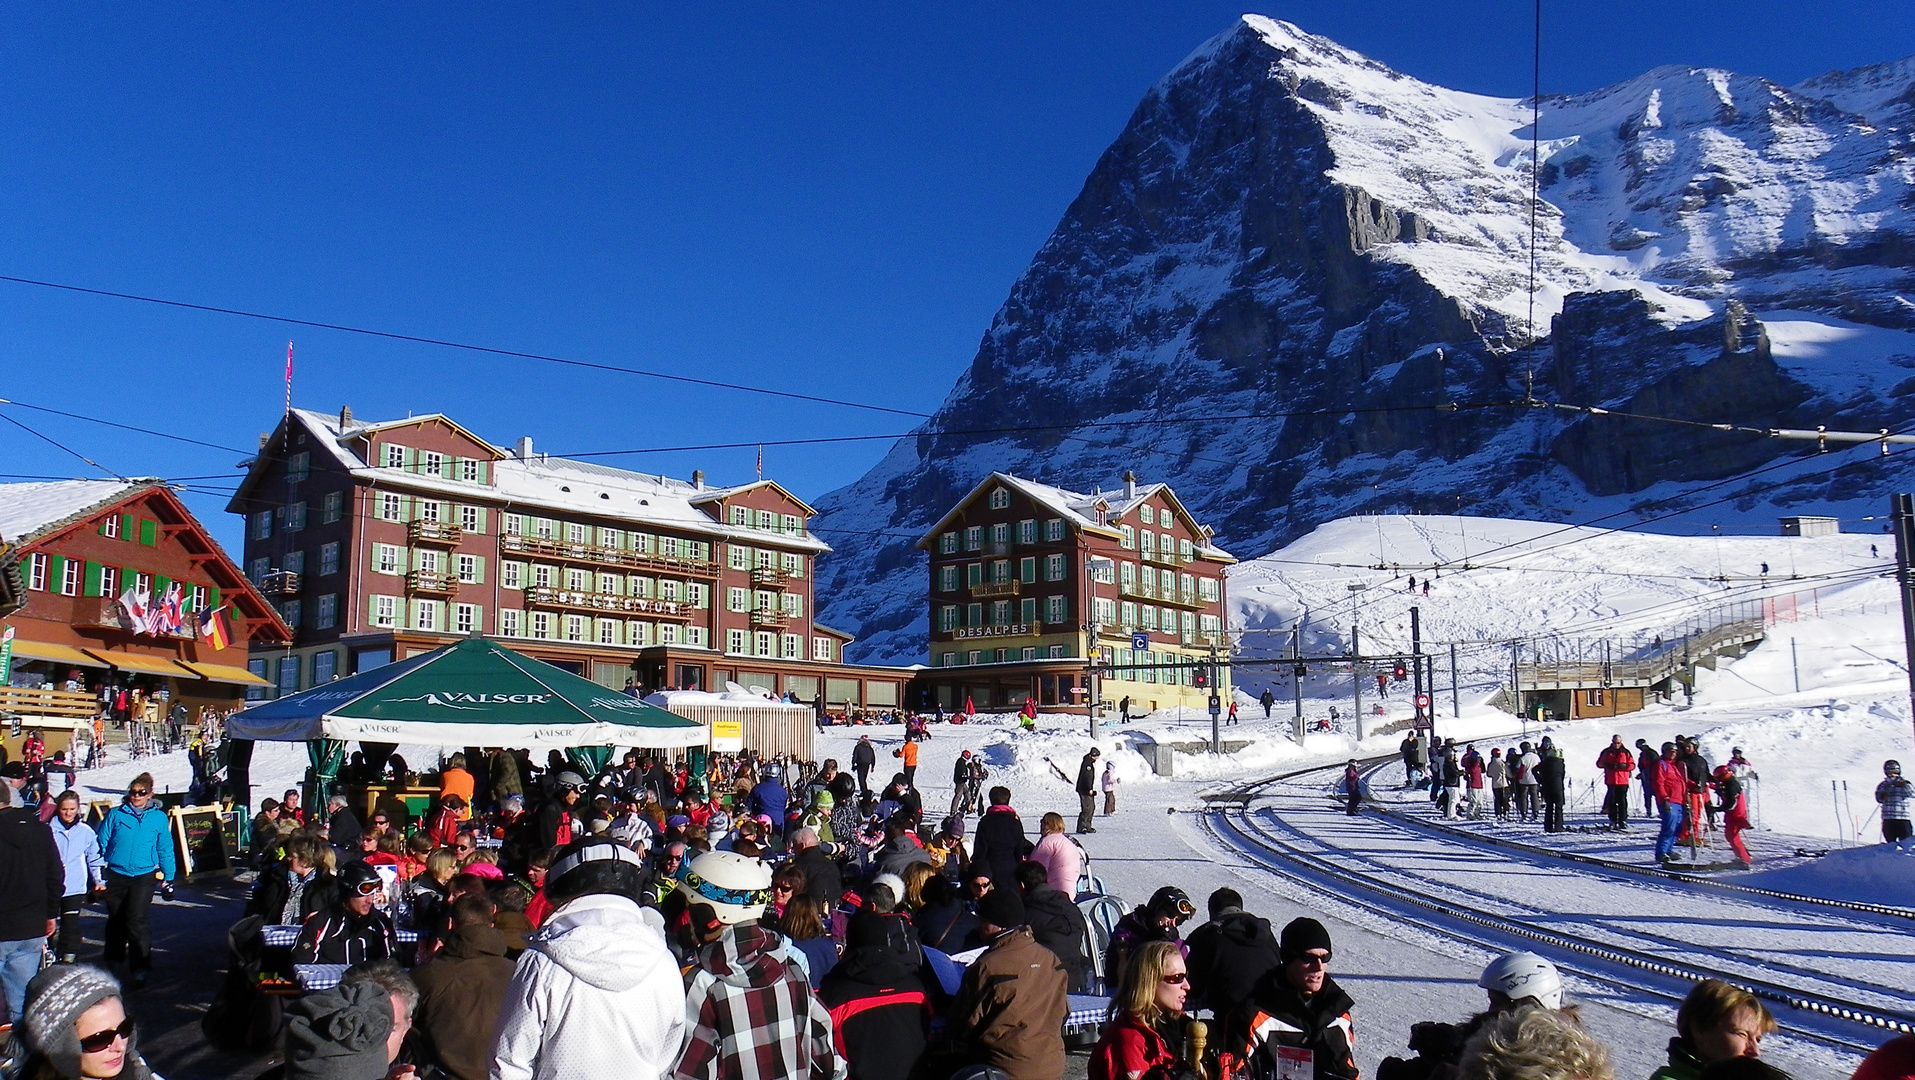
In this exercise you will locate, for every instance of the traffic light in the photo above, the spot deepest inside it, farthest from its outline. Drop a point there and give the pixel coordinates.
(1200, 677)
(1401, 672)
(1301, 670)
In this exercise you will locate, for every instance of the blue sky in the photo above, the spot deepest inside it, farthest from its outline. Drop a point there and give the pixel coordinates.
(831, 202)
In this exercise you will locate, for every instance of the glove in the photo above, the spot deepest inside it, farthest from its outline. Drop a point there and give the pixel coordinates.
(166, 889)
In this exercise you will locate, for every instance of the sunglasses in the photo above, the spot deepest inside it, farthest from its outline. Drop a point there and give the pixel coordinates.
(1311, 960)
(1177, 978)
(379, 821)
(368, 888)
(100, 1040)
(781, 888)
(139, 793)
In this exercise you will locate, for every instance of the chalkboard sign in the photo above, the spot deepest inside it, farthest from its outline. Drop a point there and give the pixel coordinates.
(199, 841)
(231, 823)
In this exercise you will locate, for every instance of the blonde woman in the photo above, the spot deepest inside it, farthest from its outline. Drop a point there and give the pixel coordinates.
(1145, 1011)
(1717, 1022)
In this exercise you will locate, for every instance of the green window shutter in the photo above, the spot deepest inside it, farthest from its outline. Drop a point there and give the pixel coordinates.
(372, 611)
(485, 471)
(56, 573)
(449, 467)
(478, 569)
(92, 579)
(215, 600)
(128, 523)
(405, 507)
(150, 533)
(160, 585)
(411, 459)
(481, 512)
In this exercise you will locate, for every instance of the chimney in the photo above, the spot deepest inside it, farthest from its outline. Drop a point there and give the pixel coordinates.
(345, 417)
(525, 448)
(698, 479)
(1130, 485)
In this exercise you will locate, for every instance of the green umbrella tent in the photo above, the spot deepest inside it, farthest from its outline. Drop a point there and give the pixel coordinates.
(473, 693)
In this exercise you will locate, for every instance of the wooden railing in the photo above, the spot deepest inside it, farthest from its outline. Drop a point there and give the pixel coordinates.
(985, 590)
(429, 581)
(56, 704)
(434, 532)
(657, 564)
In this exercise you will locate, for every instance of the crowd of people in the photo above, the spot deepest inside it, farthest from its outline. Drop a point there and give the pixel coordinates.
(736, 918)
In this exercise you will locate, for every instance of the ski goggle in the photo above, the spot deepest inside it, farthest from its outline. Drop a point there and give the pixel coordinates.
(719, 894)
(100, 1040)
(367, 888)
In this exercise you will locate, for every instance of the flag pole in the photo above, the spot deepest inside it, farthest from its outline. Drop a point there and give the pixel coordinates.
(289, 378)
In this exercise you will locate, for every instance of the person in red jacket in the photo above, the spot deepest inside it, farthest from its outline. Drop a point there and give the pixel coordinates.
(444, 829)
(1618, 767)
(1145, 1012)
(1670, 782)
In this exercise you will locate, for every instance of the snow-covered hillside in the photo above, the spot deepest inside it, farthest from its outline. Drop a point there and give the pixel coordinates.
(1293, 256)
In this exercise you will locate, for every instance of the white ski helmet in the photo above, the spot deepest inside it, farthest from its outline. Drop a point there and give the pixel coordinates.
(735, 886)
(1520, 975)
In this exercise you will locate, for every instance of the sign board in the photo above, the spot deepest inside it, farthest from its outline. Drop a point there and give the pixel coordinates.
(6, 658)
(727, 736)
(1422, 701)
(1216, 702)
(230, 824)
(199, 843)
(1140, 641)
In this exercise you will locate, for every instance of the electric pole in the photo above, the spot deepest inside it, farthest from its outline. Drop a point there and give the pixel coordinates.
(1905, 579)
(1416, 672)
(1456, 700)
(1356, 677)
(1216, 706)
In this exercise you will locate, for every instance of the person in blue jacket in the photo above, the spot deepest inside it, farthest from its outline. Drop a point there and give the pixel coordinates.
(137, 840)
(83, 867)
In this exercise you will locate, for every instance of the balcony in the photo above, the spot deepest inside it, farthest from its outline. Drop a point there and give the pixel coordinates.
(1163, 597)
(434, 532)
(985, 590)
(1164, 558)
(645, 607)
(769, 619)
(89, 614)
(769, 575)
(280, 583)
(630, 560)
(431, 583)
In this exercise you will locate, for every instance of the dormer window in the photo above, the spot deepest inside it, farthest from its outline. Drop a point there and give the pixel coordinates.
(1000, 499)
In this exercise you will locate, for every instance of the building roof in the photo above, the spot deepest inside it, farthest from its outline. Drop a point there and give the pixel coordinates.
(557, 485)
(1076, 507)
(28, 511)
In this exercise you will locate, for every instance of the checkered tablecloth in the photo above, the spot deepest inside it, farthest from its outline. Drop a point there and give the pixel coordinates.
(1087, 1013)
(315, 977)
(284, 937)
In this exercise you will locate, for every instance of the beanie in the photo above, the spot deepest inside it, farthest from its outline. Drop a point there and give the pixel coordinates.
(339, 1034)
(54, 1001)
(1001, 908)
(1303, 935)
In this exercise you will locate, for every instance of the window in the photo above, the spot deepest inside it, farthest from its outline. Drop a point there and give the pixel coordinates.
(262, 525)
(387, 559)
(734, 641)
(575, 628)
(668, 634)
(469, 569)
(698, 594)
(296, 517)
(1000, 613)
(1147, 618)
(737, 557)
(947, 618)
(70, 577)
(295, 562)
(385, 611)
(794, 604)
(325, 666)
(950, 659)
(541, 624)
(1147, 542)
(392, 507)
(793, 564)
(576, 533)
(1207, 589)
(514, 525)
(260, 568)
(326, 612)
(610, 584)
(543, 527)
(737, 599)
(1000, 498)
(823, 648)
(1054, 610)
(512, 575)
(1053, 568)
(610, 539)
(469, 470)
(1027, 531)
(288, 675)
(794, 526)
(974, 538)
(1001, 533)
(329, 558)
(541, 576)
(429, 509)
(465, 617)
(509, 623)
(395, 456)
(1129, 540)
(948, 578)
(608, 631)
(1128, 574)
(948, 543)
(741, 516)
(469, 518)
(110, 528)
(767, 521)
(1054, 529)
(332, 507)
(432, 462)
(425, 614)
(109, 581)
(1592, 698)
(1027, 568)
(1104, 610)
(1147, 514)
(792, 647)
(577, 580)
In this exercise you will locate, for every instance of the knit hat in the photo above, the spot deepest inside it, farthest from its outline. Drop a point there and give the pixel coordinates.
(735, 886)
(339, 1034)
(1001, 908)
(55, 999)
(1303, 935)
(824, 800)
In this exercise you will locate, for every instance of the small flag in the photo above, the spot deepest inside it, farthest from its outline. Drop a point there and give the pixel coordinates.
(215, 628)
(761, 461)
(135, 603)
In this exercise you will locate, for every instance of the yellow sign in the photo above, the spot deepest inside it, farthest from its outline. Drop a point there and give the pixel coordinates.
(727, 736)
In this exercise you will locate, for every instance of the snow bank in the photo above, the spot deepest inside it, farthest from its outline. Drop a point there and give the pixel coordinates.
(1881, 874)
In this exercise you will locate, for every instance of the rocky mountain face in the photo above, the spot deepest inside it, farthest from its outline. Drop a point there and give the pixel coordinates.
(1298, 287)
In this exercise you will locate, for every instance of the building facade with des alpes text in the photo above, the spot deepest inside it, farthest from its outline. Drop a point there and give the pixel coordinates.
(1068, 598)
(381, 541)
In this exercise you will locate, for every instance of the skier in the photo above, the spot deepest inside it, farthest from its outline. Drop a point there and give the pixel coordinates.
(1087, 792)
(1498, 772)
(1551, 773)
(1645, 773)
(1527, 782)
(1735, 811)
(1894, 793)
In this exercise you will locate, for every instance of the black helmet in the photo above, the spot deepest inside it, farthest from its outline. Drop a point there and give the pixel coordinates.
(594, 864)
(1891, 767)
(358, 879)
(1170, 900)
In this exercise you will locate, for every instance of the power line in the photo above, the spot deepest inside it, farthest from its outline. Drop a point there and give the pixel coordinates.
(61, 446)
(420, 340)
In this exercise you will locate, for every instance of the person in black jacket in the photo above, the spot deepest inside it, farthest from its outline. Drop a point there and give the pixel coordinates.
(1001, 843)
(880, 1007)
(1298, 1005)
(353, 930)
(1551, 772)
(864, 758)
(1087, 792)
(290, 891)
(824, 882)
(945, 922)
(32, 880)
(1229, 956)
(1056, 923)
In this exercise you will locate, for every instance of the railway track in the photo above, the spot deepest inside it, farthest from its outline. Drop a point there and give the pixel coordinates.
(1825, 1008)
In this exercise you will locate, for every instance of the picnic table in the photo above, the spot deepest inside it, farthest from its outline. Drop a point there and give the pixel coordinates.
(285, 936)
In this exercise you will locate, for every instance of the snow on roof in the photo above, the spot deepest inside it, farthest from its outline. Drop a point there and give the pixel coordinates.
(27, 510)
(558, 484)
(734, 696)
(1076, 507)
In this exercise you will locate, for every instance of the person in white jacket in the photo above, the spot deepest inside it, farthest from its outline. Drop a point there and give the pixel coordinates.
(596, 993)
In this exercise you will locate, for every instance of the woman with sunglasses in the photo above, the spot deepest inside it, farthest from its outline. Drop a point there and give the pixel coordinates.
(74, 1027)
(1144, 1025)
(137, 840)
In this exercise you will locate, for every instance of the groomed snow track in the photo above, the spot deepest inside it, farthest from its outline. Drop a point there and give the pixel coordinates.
(1261, 835)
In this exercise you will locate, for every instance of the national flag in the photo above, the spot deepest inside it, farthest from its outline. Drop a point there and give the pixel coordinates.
(170, 617)
(216, 628)
(135, 603)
